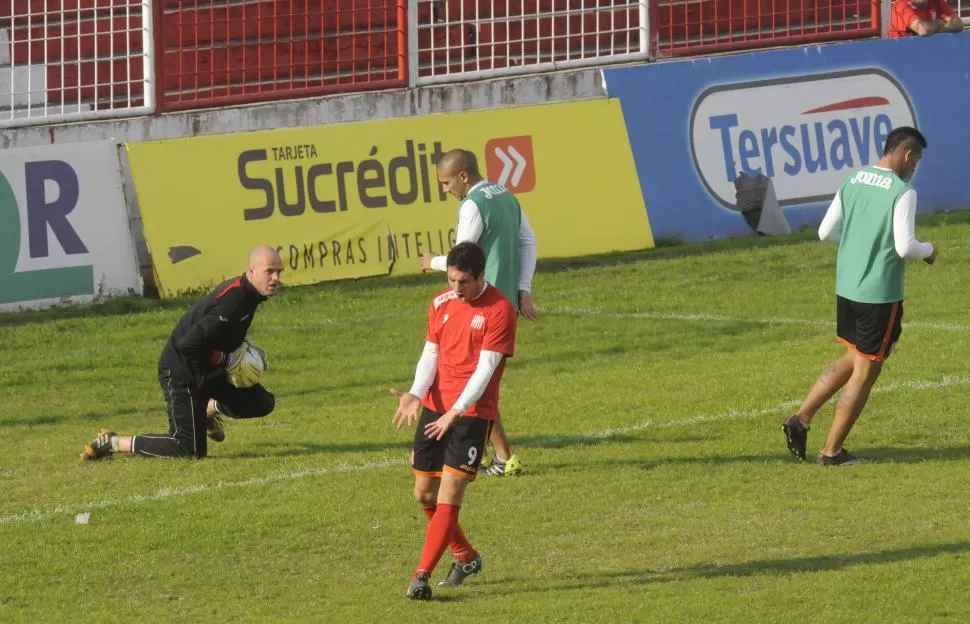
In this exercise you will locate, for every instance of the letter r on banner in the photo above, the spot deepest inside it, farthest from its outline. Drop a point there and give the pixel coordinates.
(44, 211)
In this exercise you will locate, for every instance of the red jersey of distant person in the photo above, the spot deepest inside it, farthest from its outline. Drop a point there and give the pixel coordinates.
(461, 331)
(905, 13)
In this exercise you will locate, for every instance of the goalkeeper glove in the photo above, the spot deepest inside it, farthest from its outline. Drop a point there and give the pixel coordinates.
(243, 371)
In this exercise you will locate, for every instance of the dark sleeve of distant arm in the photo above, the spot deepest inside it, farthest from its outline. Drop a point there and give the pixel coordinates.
(196, 345)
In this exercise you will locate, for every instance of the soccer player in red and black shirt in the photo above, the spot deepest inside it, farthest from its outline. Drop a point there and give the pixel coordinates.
(471, 331)
(198, 365)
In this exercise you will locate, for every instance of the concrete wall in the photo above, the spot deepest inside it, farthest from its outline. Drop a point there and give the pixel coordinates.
(518, 91)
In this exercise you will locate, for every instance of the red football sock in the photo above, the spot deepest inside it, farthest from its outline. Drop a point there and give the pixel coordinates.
(460, 546)
(440, 530)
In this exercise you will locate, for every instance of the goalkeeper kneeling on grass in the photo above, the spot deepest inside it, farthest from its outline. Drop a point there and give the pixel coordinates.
(208, 369)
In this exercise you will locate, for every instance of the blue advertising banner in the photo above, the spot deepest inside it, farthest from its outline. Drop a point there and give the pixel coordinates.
(805, 118)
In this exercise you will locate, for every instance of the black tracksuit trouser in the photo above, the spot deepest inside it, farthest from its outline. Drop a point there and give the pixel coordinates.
(187, 404)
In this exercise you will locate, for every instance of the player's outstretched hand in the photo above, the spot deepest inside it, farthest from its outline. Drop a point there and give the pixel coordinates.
(527, 306)
(437, 429)
(932, 257)
(426, 261)
(407, 409)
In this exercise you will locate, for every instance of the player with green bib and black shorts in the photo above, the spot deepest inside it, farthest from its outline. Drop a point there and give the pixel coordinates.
(872, 218)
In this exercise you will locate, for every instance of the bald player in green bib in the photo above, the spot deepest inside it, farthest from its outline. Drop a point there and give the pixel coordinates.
(491, 216)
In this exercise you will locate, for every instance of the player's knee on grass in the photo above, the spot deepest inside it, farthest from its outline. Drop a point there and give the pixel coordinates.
(255, 404)
(267, 405)
(185, 447)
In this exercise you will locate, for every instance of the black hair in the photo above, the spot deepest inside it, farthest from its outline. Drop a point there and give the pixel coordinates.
(902, 135)
(467, 257)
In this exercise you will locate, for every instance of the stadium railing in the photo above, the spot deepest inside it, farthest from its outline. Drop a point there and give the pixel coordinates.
(694, 27)
(74, 60)
(455, 40)
(220, 53)
(77, 60)
(962, 7)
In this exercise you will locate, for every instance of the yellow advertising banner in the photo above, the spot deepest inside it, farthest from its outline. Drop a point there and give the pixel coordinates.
(360, 199)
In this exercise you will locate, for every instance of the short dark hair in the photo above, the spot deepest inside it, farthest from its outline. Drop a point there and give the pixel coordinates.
(458, 160)
(467, 257)
(902, 135)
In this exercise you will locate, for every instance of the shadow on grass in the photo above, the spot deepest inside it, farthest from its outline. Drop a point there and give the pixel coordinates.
(878, 455)
(380, 386)
(881, 455)
(565, 441)
(129, 304)
(796, 565)
(718, 460)
(42, 420)
(304, 448)
(912, 455)
(269, 449)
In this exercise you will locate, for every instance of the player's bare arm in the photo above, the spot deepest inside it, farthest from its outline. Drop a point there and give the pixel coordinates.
(924, 29)
(408, 408)
(949, 23)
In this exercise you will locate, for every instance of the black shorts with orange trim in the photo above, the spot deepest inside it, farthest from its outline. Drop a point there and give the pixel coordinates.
(871, 329)
(459, 452)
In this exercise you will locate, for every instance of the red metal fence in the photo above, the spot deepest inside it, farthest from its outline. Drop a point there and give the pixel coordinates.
(65, 60)
(77, 59)
(692, 27)
(457, 39)
(226, 52)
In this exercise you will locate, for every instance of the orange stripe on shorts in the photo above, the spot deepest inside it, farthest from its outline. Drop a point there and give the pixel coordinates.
(889, 331)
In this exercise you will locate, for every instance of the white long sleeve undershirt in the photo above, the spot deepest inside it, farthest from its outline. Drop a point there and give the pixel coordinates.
(488, 362)
(904, 226)
(470, 228)
(427, 369)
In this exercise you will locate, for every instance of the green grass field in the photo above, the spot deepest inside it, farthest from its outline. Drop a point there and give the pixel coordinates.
(645, 404)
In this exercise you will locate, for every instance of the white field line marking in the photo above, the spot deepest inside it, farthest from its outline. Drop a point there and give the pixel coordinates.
(719, 318)
(38, 514)
(164, 493)
(946, 382)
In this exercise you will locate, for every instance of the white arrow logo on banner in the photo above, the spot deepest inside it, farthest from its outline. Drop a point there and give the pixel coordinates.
(514, 169)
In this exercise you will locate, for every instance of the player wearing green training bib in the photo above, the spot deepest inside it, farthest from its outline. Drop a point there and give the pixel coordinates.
(491, 216)
(872, 218)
